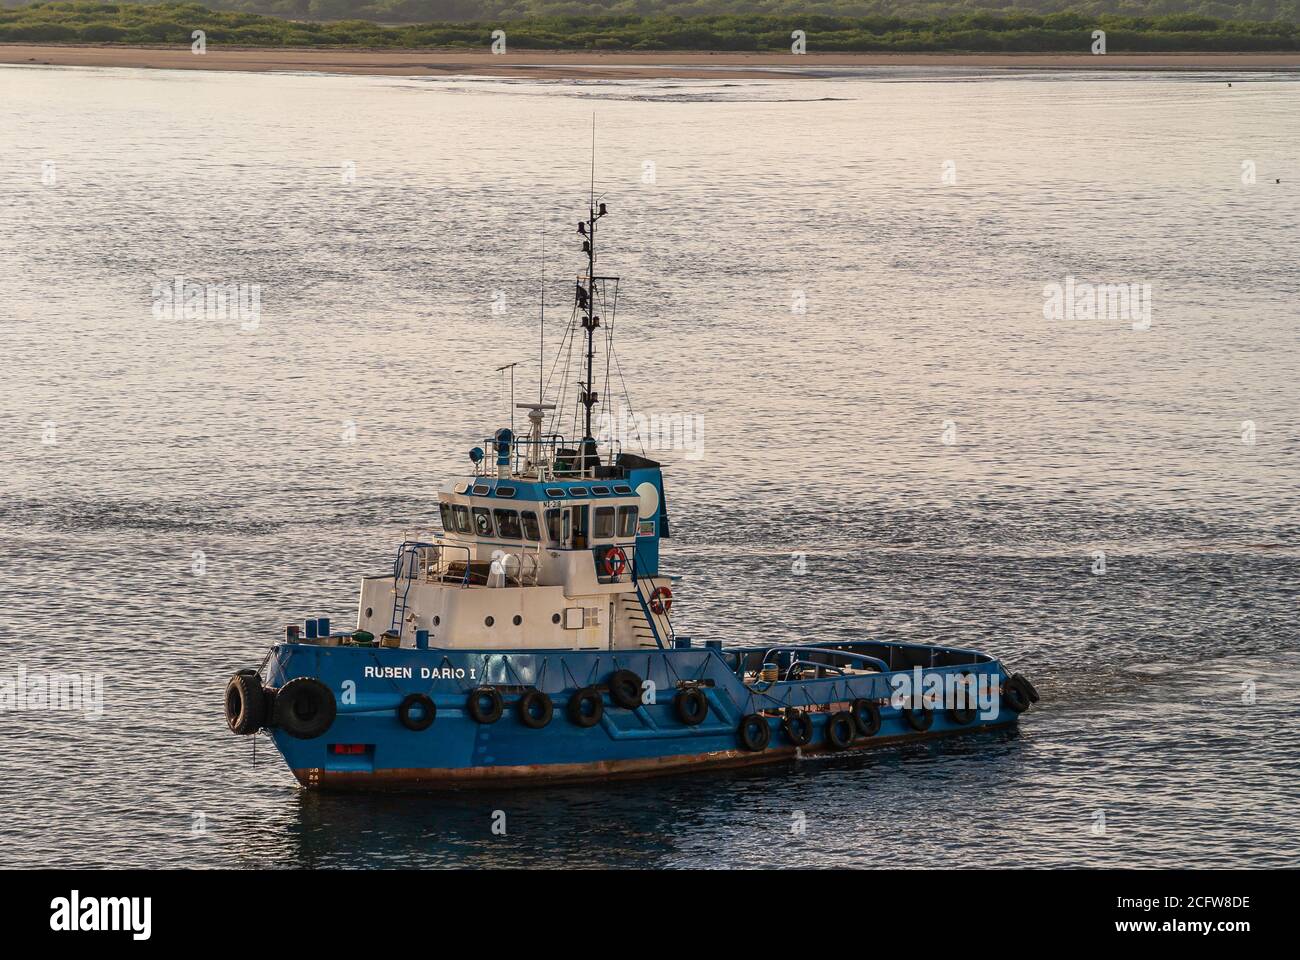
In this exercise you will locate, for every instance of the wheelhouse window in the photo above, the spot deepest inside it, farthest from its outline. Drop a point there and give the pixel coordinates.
(483, 521)
(461, 514)
(448, 523)
(627, 521)
(553, 525)
(508, 524)
(532, 531)
(604, 526)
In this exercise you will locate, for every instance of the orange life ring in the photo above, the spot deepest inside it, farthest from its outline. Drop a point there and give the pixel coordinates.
(615, 561)
(661, 601)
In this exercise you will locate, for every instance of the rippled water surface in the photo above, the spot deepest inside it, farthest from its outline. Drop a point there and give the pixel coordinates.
(823, 435)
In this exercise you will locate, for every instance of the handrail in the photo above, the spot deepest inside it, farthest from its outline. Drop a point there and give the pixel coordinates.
(522, 462)
(860, 657)
(650, 615)
(430, 561)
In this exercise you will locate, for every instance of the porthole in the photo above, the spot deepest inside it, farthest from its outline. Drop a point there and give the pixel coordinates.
(555, 618)
(518, 620)
(489, 621)
(437, 620)
(370, 612)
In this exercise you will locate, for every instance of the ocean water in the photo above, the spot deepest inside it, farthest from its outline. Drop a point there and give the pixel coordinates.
(841, 281)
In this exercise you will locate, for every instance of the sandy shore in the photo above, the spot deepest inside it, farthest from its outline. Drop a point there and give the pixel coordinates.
(565, 65)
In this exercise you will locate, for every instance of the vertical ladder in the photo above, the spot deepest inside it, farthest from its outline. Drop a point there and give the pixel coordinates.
(400, 594)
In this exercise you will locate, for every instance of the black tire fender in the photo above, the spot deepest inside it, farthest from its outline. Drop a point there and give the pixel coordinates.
(535, 709)
(691, 706)
(586, 707)
(1029, 687)
(305, 708)
(839, 729)
(964, 714)
(754, 732)
(866, 717)
(416, 712)
(1014, 695)
(920, 718)
(624, 689)
(485, 705)
(245, 703)
(797, 727)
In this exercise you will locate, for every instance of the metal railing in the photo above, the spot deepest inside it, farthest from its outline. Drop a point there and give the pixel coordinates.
(797, 660)
(558, 459)
(436, 561)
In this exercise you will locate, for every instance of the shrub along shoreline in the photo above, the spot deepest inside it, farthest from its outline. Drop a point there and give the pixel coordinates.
(174, 23)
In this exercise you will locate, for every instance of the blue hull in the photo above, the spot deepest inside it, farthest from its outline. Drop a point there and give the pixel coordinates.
(367, 745)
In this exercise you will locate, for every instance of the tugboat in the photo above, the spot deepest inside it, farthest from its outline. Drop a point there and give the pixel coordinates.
(531, 639)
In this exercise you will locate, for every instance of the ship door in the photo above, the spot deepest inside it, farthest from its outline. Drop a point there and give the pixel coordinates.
(578, 524)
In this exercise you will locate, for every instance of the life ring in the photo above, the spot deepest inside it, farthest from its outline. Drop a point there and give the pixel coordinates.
(416, 711)
(305, 708)
(691, 706)
(625, 689)
(798, 727)
(586, 707)
(964, 714)
(919, 719)
(615, 562)
(1014, 695)
(245, 703)
(866, 717)
(485, 712)
(839, 729)
(661, 601)
(535, 709)
(754, 733)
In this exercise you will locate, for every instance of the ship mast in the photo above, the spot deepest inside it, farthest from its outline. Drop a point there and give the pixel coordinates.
(587, 305)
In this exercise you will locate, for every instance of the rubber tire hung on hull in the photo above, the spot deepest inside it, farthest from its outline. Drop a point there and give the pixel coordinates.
(965, 714)
(305, 708)
(691, 706)
(919, 720)
(839, 729)
(754, 732)
(866, 717)
(406, 712)
(798, 727)
(1015, 694)
(578, 707)
(1029, 687)
(245, 703)
(625, 689)
(535, 709)
(481, 711)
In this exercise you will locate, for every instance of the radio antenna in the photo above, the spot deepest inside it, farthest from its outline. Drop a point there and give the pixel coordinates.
(541, 326)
